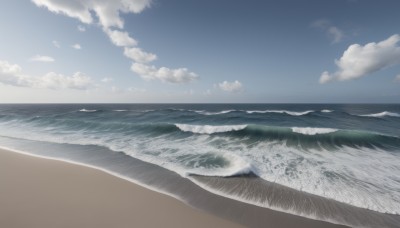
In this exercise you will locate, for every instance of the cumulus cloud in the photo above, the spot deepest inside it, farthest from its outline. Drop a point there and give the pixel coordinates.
(235, 86)
(358, 61)
(56, 44)
(335, 34)
(76, 46)
(42, 58)
(120, 39)
(11, 74)
(180, 75)
(108, 12)
(108, 15)
(81, 28)
(137, 55)
(56, 81)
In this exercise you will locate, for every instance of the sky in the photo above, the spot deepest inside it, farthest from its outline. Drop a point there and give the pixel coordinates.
(209, 51)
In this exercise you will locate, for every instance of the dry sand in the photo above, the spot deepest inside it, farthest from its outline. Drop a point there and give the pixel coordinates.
(43, 193)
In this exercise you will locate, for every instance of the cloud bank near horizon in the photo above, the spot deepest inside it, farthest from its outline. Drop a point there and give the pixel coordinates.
(12, 74)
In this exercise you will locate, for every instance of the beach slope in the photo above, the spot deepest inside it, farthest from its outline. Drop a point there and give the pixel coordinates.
(36, 192)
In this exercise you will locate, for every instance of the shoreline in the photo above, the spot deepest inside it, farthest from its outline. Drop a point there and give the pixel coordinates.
(39, 192)
(229, 217)
(299, 181)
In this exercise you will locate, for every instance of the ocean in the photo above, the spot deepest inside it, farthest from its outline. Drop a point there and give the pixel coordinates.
(332, 162)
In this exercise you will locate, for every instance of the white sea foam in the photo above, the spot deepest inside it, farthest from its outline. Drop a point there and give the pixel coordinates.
(214, 113)
(209, 129)
(209, 113)
(292, 113)
(312, 130)
(326, 110)
(382, 114)
(237, 166)
(120, 110)
(341, 175)
(87, 110)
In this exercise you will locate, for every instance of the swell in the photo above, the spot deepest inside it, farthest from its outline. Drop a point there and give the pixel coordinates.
(381, 114)
(211, 113)
(304, 137)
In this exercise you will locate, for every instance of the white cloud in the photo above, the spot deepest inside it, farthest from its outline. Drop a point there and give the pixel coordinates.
(76, 46)
(180, 75)
(108, 12)
(11, 74)
(397, 78)
(105, 80)
(335, 34)
(137, 55)
(120, 38)
(81, 28)
(235, 86)
(42, 58)
(56, 81)
(56, 44)
(358, 61)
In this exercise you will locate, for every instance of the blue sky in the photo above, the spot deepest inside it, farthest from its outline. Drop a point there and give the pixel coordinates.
(200, 51)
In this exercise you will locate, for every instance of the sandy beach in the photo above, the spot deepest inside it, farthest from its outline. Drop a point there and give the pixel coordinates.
(36, 192)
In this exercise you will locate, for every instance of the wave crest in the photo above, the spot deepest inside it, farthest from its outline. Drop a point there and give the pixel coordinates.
(87, 110)
(382, 114)
(313, 130)
(292, 113)
(209, 129)
(214, 113)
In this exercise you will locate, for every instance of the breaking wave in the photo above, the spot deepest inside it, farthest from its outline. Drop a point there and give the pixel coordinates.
(209, 129)
(292, 113)
(88, 110)
(381, 114)
(313, 130)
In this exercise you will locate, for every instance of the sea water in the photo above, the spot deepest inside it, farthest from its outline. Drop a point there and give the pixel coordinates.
(348, 153)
